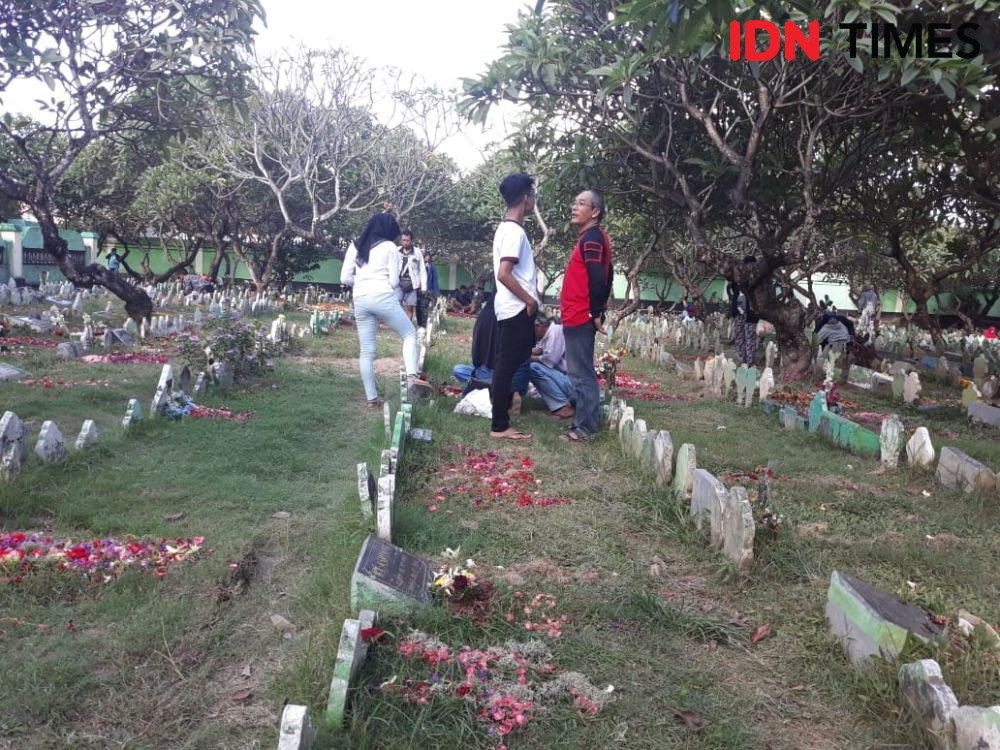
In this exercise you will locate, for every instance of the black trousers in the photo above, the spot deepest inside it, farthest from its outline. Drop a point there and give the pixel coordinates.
(423, 300)
(515, 338)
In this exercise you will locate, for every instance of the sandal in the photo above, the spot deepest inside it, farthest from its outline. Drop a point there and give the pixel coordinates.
(576, 437)
(510, 435)
(374, 404)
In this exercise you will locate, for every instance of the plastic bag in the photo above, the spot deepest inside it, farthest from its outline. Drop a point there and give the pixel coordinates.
(477, 403)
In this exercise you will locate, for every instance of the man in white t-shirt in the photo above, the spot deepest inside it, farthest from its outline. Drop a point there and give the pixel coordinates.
(516, 299)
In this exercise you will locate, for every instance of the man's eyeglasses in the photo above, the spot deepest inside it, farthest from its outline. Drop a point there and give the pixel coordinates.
(582, 204)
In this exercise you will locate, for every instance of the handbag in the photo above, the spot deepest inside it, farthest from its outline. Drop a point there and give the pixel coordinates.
(405, 282)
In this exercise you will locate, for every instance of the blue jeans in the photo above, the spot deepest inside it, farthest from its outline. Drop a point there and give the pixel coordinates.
(368, 312)
(553, 386)
(580, 365)
(519, 383)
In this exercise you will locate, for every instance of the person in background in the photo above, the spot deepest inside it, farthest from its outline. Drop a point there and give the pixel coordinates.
(412, 274)
(548, 368)
(515, 301)
(372, 268)
(584, 299)
(430, 296)
(480, 373)
(114, 261)
(835, 331)
(478, 297)
(871, 308)
(744, 320)
(461, 301)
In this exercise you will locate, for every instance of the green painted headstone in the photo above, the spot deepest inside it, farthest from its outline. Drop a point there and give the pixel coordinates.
(817, 408)
(345, 667)
(741, 384)
(751, 385)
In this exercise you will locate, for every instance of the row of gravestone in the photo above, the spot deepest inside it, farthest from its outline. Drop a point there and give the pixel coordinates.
(955, 469)
(386, 579)
(728, 510)
(867, 621)
(50, 446)
(722, 377)
(871, 623)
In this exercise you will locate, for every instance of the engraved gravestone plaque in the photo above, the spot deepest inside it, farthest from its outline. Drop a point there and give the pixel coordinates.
(389, 579)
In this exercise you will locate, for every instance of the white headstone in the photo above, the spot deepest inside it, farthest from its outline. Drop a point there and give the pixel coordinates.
(662, 457)
(639, 431)
(199, 384)
(766, 383)
(705, 491)
(133, 414)
(50, 446)
(366, 484)
(87, 436)
(911, 388)
(164, 390)
(957, 470)
(770, 354)
(889, 440)
(684, 472)
(920, 449)
(12, 445)
(386, 491)
(738, 529)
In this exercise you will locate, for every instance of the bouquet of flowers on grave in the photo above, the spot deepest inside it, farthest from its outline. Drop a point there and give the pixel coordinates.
(769, 522)
(454, 582)
(607, 366)
(179, 405)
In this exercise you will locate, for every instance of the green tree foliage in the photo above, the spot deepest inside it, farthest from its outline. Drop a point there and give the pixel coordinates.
(116, 69)
(742, 158)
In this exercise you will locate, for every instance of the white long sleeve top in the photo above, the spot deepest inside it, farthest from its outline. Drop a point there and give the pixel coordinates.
(380, 275)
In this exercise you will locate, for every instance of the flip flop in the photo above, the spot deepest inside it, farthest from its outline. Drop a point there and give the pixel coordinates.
(574, 436)
(515, 435)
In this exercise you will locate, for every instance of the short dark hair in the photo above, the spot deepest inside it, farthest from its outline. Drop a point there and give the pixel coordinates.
(598, 202)
(541, 319)
(515, 186)
(407, 233)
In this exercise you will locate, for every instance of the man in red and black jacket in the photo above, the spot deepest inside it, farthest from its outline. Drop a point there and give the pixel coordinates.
(585, 291)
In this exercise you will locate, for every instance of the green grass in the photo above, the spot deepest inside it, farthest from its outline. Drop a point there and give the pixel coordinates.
(655, 611)
(652, 609)
(156, 663)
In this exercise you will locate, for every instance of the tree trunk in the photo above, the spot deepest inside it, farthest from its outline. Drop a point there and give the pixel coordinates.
(789, 319)
(923, 318)
(789, 329)
(220, 256)
(138, 305)
(633, 284)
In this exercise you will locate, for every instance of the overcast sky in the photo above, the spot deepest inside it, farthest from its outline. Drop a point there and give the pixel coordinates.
(442, 40)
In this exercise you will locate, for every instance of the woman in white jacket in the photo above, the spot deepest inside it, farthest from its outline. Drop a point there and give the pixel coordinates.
(372, 266)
